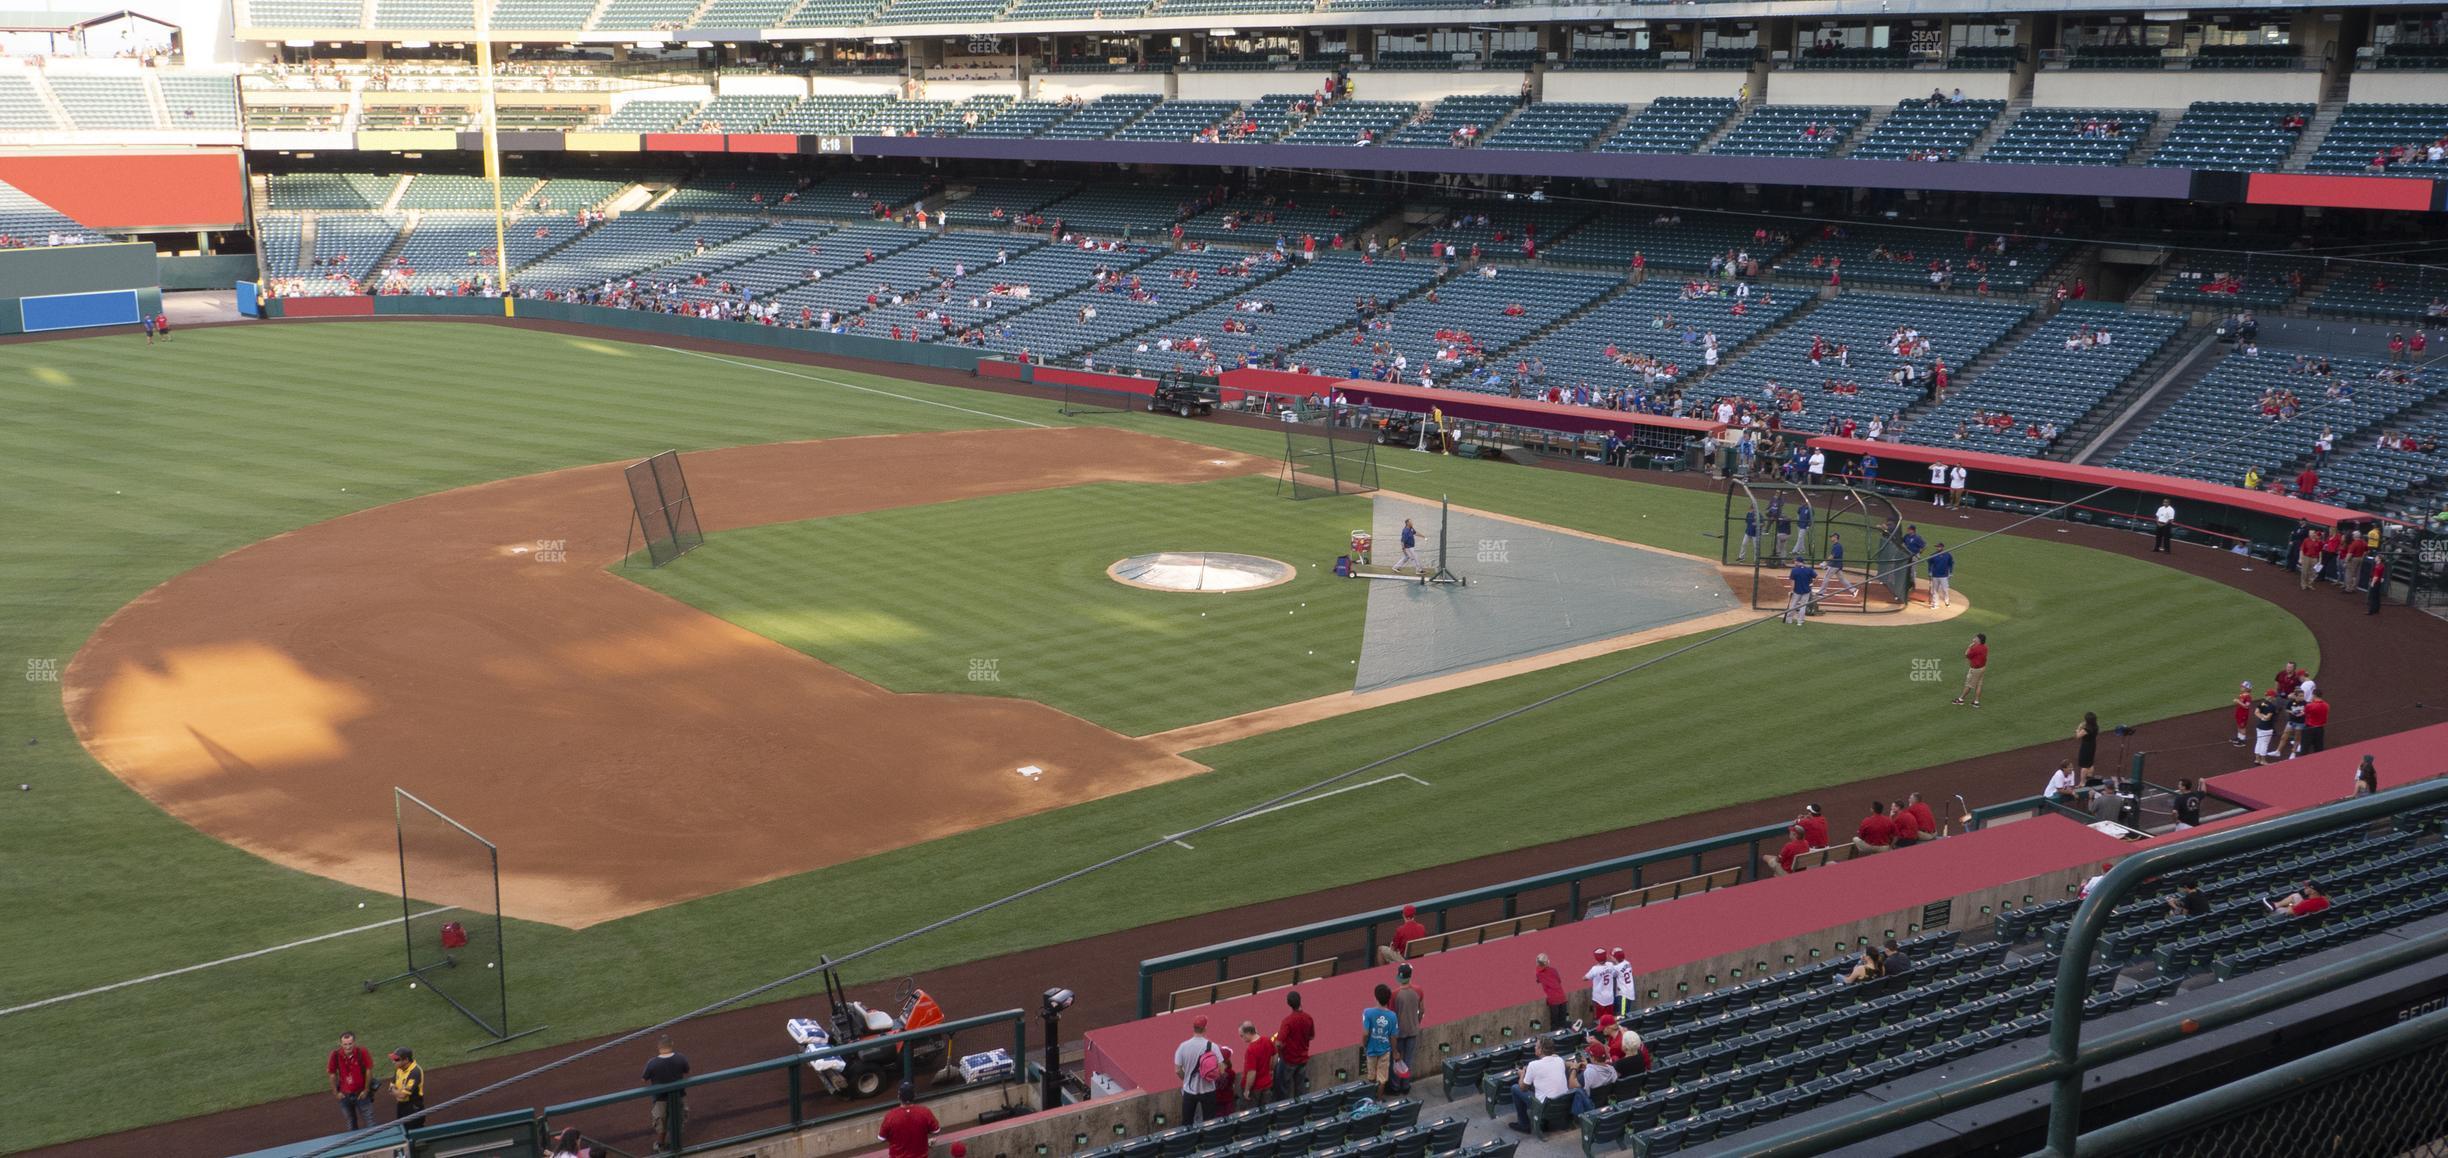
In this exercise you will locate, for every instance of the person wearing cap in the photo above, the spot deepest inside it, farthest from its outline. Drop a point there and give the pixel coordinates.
(1627, 985)
(907, 1127)
(407, 1088)
(1551, 989)
(1814, 825)
(1782, 864)
(1601, 978)
(1409, 1004)
(2243, 714)
(1197, 1087)
(1410, 930)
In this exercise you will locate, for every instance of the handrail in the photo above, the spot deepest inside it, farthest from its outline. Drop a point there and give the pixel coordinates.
(1750, 839)
(2068, 1057)
(798, 1118)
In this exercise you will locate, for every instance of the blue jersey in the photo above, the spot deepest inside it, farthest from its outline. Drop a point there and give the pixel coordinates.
(1942, 565)
(1913, 544)
(1836, 553)
(1751, 524)
(1869, 466)
(1377, 1031)
(1410, 538)
(1803, 577)
(1803, 516)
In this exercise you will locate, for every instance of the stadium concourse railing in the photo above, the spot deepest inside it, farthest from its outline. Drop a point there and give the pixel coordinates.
(1580, 882)
(785, 1111)
(2069, 1058)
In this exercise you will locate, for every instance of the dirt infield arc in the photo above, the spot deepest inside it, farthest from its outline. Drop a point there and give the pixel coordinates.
(471, 647)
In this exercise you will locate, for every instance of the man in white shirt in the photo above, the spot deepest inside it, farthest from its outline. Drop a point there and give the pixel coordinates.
(1818, 466)
(1938, 484)
(1545, 1077)
(1198, 1090)
(2063, 783)
(1956, 478)
(2163, 526)
(1601, 978)
(1627, 991)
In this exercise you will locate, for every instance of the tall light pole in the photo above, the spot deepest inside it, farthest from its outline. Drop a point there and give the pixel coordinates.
(489, 125)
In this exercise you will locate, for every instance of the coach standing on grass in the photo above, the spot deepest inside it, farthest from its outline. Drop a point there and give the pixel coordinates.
(1976, 668)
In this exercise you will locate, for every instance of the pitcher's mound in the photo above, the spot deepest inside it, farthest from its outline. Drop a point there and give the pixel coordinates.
(1203, 571)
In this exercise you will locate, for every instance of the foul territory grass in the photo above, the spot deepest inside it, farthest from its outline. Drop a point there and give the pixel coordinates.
(1009, 596)
(134, 463)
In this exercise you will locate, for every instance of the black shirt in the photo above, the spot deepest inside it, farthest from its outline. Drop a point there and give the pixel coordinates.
(2193, 903)
(662, 1071)
(2265, 714)
(2188, 807)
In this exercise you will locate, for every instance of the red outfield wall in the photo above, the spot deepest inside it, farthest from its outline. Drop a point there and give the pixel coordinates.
(136, 189)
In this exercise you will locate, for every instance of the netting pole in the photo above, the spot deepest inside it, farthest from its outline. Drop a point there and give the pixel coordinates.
(1444, 575)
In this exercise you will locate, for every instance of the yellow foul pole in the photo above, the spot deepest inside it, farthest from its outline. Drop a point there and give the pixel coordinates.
(490, 125)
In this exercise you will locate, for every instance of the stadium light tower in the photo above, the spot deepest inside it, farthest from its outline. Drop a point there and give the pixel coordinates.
(489, 124)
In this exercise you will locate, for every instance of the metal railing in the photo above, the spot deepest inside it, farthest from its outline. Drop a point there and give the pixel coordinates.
(1686, 860)
(2069, 1057)
(537, 1125)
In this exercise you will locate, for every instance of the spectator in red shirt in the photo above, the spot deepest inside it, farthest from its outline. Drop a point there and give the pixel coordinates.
(2302, 902)
(1410, 930)
(1551, 989)
(349, 1067)
(1257, 1066)
(1782, 864)
(1814, 826)
(1925, 821)
(2307, 482)
(1877, 833)
(1292, 1049)
(1907, 829)
(2315, 724)
(908, 1126)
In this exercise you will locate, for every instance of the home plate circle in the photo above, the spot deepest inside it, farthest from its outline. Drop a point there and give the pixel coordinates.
(1202, 571)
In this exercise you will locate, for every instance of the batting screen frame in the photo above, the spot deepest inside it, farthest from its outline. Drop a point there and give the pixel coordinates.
(666, 512)
(458, 873)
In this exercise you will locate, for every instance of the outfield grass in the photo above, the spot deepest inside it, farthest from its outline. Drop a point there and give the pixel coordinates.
(139, 462)
(910, 598)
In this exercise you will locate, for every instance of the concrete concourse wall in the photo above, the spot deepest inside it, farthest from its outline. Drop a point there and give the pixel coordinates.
(1811, 86)
(1641, 87)
(2173, 89)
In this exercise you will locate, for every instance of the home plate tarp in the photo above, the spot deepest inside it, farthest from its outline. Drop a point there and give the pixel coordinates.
(1528, 590)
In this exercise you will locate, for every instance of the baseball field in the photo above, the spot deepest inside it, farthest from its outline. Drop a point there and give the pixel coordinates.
(263, 575)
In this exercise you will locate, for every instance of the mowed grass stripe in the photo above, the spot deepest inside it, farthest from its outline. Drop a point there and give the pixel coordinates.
(1009, 596)
(257, 429)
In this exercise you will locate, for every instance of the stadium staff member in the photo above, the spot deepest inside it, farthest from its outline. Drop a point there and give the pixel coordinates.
(668, 1065)
(2163, 526)
(351, 1069)
(907, 1127)
(407, 1088)
(1976, 668)
(1782, 864)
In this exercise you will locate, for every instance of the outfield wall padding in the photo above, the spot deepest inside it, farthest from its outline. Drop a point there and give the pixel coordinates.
(210, 271)
(646, 325)
(79, 311)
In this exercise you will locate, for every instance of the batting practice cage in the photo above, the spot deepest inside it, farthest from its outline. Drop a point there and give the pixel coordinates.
(450, 908)
(1769, 526)
(1078, 397)
(1321, 458)
(666, 515)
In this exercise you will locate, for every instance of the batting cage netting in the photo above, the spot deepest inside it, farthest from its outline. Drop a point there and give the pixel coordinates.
(1322, 458)
(456, 952)
(1850, 537)
(1078, 397)
(666, 514)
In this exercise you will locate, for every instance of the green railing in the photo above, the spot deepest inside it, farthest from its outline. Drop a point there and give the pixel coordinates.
(1681, 860)
(784, 1111)
(2069, 1057)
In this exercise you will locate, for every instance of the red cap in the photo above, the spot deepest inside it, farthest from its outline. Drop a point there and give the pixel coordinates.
(1606, 1019)
(1619, 954)
(1598, 953)
(1410, 910)
(960, 1150)
(1199, 1023)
